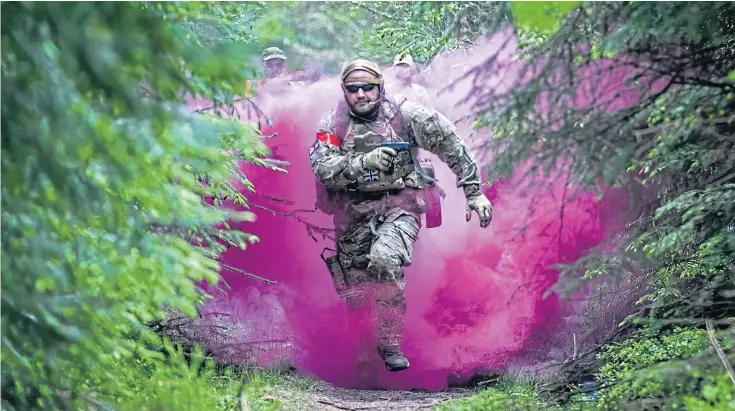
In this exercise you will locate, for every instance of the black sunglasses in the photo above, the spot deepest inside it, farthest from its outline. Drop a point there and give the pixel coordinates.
(364, 87)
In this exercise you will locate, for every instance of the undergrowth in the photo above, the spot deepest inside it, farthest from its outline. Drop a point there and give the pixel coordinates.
(659, 369)
(512, 396)
(170, 379)
(666, 369)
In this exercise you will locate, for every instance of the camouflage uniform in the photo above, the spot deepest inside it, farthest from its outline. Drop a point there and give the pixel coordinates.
(379, 213)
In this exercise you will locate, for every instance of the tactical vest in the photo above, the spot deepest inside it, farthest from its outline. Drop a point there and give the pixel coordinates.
(409, 170)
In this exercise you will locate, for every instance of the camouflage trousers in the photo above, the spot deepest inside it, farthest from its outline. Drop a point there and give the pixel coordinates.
(372, 253)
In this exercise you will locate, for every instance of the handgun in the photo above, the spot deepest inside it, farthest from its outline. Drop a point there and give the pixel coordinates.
(398, 146)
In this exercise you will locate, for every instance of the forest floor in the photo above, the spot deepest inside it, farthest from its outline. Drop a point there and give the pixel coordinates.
(323, 396)
(279, 391)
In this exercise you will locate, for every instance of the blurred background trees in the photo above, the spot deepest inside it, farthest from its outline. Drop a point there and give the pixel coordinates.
(102, 214)
(334, 32)
(672, 145)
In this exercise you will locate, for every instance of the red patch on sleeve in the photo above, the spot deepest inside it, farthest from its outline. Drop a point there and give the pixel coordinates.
(328, 138)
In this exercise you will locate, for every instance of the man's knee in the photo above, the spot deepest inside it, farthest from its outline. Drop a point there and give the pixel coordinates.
(385, 267)
(390, 295)
(393, 248)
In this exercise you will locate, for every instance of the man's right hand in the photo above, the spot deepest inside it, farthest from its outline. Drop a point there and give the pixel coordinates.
(481, 205)
(379, 159)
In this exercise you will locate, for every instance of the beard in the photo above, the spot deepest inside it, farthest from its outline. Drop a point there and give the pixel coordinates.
(365, 108)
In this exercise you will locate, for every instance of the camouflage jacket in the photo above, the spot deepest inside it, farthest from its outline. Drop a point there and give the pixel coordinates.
(336, 164)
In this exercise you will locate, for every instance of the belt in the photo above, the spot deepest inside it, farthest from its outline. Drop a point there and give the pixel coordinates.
(369, 195)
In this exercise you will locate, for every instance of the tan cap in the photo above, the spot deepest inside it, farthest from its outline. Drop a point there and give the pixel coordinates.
(364, 65)
(403, 59)
(273, 53)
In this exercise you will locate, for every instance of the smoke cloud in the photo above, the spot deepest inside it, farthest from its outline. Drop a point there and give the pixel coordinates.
(475, 297)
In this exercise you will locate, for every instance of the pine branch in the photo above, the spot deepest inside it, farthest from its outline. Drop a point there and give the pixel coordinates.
(718, 349)
(253, 276)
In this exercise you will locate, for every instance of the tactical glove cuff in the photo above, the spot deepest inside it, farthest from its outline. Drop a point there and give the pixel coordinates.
(471, 190)
(356, 167)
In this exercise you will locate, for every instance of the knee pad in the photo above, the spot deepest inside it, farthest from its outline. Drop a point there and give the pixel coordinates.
(385, 269)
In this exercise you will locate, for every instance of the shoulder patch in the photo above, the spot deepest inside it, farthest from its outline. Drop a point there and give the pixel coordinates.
(328, 138)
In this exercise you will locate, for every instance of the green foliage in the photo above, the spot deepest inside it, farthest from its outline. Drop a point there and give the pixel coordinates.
(322, 32)
(536, 21)
(162, 380)
(675, 141)
(663, 370)
(675, 137)
(508, 396)
(225, 22)
(261, 384)
(425, 29)
(541, 17)
(166, 381)
(623, 361)
(334, 32)
(102, 213)
(718, 394)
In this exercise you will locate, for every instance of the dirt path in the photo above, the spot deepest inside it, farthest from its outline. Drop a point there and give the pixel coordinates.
(323, 396)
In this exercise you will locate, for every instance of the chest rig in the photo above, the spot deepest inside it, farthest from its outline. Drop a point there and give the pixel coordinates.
(387, 127)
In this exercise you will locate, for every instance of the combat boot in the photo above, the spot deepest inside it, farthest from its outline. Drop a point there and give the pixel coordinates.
(394, 359)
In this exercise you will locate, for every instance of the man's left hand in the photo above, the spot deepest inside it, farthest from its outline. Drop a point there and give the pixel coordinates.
(482, 207)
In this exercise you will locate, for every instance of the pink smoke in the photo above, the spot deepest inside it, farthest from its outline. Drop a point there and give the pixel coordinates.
(474, 296)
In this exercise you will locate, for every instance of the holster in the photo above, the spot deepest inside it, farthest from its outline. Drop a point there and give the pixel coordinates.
(335, 269)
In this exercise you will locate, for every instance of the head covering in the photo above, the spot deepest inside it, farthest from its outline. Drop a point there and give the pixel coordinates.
(403, 59)
(364, 65)
(273, 53)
